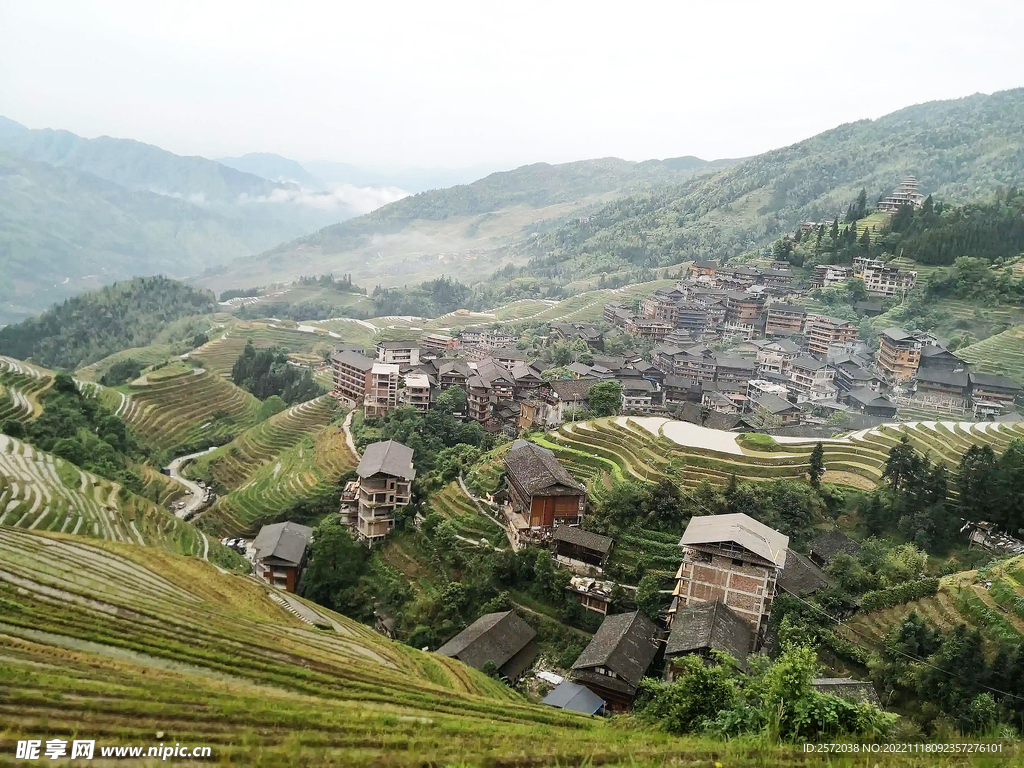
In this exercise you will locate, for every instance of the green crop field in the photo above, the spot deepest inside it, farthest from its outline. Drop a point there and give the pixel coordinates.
(196, 407)
(21, 386)
(230, 465)
(145, 356)
(454, 505)
(874, 221)
(309, 468)
(1001, 354)
(126, 645)
(39, 491)
(219, 354)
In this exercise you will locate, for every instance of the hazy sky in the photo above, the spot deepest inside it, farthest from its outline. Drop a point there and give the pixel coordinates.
(484, 83)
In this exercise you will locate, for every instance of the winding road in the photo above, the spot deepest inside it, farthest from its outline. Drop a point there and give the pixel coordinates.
(196, 499)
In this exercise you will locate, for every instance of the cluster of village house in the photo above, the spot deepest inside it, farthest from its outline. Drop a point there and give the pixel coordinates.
(733, 349)
(731, 569)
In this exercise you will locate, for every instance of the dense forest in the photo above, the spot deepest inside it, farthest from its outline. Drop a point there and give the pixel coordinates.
(267, 372)
(430, 299)
(86, 328)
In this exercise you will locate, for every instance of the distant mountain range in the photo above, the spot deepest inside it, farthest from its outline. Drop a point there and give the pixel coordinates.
(76, 213)
(563, 226)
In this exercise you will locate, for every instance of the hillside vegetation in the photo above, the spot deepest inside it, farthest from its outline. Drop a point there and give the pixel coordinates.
(93, 325)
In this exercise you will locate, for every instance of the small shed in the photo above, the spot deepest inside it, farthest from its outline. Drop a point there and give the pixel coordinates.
(859, 691)
(573, 697)
(574, 544)
(829, 544)
(801, 577)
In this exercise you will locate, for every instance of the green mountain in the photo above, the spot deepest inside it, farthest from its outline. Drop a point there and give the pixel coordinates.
(471, 225)
(95, 324)
(76, 213)
(959, 150)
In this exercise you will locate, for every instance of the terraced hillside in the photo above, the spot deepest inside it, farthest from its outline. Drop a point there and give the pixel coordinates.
(145, 356)
(39, 491)
(219, 354)
(652, 449)
(21, 385)
(991, 599)
(1002, 354)
(452, 504)
(172, 412)
(309, 468)
(229, 466)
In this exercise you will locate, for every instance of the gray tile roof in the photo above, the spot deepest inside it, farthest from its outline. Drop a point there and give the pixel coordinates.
(575, 389)
(831, 543)
(808, 363)
(497, 637)
(941, 376)
(574, 698)
(573, 535)
(625, 644)
(538, 472)
(713, 626)
(801, 577)
(774, 404)
(389, 457)
(740, 529)
(353, 359)
(285, 542)
(993, 380)
(897, 334)
(868, 397)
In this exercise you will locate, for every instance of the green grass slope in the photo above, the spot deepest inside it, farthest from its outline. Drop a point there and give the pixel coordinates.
(39, 491)
(1002, 354)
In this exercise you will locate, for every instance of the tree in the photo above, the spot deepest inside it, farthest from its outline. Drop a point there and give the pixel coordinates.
(336, 563)
(648, 596)
(817, 465)
(605, 398)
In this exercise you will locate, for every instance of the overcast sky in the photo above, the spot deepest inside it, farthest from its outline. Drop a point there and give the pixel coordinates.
(452, 84)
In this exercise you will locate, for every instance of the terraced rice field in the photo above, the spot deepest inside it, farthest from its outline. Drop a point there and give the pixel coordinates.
(310, 468)
(21, 386)
(874, 221)
(454, 505)
(39, 491)
(219, 355)
(230, 465)
(186, 409)
(1001, 354)
(145, 356)
(991, 599)
(652, 449)
(118, 643)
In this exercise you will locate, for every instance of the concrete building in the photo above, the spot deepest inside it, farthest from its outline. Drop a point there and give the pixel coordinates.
(382, 392)
(398, 352)
(830, 275)
(416, 391)
(908, 193)
(811, 380)
(883, 279)
(351, 376)
(732, 558)
(438, 343)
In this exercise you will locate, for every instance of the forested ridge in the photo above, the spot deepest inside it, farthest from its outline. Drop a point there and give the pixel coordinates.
(88, 327)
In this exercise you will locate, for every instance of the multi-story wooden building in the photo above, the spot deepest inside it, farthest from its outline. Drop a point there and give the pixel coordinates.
(540, 493)
(742, 307)
(618, 658)
(784, 320)
(438, 343)
(899, 354)
(279, 553)
(351, 376)
(829, 275)
(732, 558)
(385, 483)
(822, 331)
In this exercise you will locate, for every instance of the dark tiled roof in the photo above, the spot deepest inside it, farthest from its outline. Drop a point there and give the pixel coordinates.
(497, 637)
(808, 363)
(774, 404)
(353, 359)
(710, 625)
(586, 539)
(538, 471)
(285, 542)
(829, 544)
(625, 644)
(574, 698)
(574, 389)
(940, 376)
(789, 308)
(992, 380)
(847, 688)
(389, 457)
(868, 397)
(897, 334)
(801, 577)
(398, 344)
